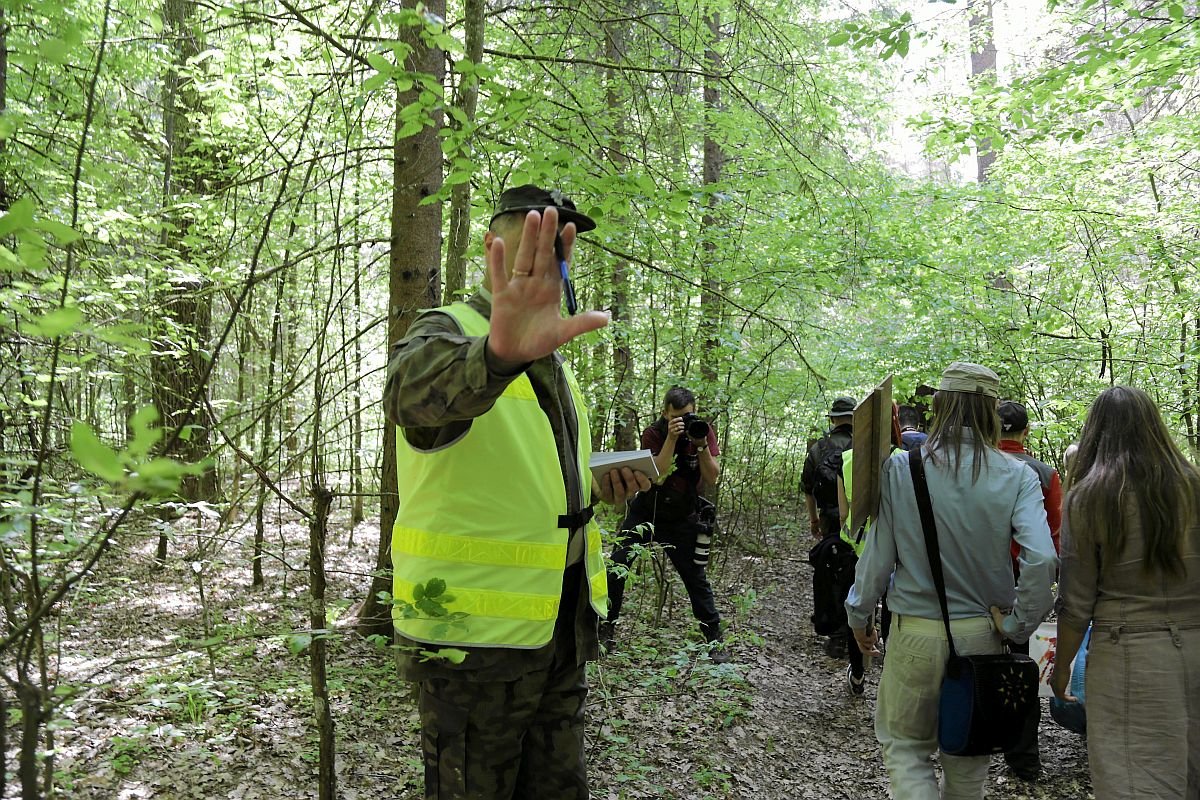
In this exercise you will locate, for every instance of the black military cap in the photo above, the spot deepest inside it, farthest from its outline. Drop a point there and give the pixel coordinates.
(1013, 417)
(532, 198)
(842, 407)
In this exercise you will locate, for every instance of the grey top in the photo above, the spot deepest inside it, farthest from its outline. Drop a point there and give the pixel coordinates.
(975, 522)
(1114, 591)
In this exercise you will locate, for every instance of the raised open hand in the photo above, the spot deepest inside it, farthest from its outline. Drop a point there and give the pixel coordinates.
(527, 321)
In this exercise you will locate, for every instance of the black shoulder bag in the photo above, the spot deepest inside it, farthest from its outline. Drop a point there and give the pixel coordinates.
(985, 699)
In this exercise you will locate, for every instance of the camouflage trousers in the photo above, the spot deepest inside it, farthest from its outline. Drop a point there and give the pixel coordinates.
(520, 739)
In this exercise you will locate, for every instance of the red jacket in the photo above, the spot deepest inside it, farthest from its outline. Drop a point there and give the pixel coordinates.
(1051, 494)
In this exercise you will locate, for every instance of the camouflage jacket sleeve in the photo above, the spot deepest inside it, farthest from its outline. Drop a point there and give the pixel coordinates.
(438, 380)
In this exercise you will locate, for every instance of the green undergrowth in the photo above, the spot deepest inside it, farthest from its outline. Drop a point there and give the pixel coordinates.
(658, 702)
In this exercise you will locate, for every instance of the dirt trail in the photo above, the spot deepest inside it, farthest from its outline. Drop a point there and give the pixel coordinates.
(663, 721)
(805, 736)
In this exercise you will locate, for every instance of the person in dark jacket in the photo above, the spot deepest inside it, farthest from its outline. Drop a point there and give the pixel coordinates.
(1024, 758)
(818, 481)
(685, 450)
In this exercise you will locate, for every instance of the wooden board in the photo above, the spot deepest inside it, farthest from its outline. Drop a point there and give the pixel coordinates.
(872, 445)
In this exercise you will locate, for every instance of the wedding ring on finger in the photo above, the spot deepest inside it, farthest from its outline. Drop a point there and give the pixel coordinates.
(522, 273)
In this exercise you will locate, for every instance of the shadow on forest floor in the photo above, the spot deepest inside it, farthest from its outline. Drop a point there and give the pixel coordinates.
(796, 732)
(154, 720)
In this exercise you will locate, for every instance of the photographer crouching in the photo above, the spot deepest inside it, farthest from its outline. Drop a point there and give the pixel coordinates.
(674, 514)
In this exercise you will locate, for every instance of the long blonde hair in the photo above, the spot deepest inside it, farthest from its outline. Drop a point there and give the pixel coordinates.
(1126, 455)
(954, 411)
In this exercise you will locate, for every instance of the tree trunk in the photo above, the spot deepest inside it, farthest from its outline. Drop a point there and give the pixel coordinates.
(244, 340)
(356, 464)
(413, 279)
(714, 165)
(318, 534)
(289, 344)
(178, 360)
(3, 702)
(982, 36)
(5, 200)
(460, 194)
(625, 430)
(265, 438)
(30, 698)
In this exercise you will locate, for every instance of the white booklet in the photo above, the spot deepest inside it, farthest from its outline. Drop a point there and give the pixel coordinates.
(638, 460)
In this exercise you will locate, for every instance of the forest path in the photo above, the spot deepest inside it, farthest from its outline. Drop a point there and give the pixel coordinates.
(803, 735)
(155, 721)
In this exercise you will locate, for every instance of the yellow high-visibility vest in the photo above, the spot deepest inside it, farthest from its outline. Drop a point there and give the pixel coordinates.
(482, 515)
(849, 536)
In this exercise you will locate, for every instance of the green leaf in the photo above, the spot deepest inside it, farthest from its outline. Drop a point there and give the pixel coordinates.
(435, 588)
(19, 216)
(9, 261)
(410, 128)
(160, 476)
(146, 433)
(376, 81)
(32, 251)
(1175, 11)
(64, 233)
(297, 643)
(430, 608)
(381, 64)
(54, 51)
(8, 126)
(452, 654)
(55, 322)
(211, 641)
(155, 22)
(838, 39)
(94, 455)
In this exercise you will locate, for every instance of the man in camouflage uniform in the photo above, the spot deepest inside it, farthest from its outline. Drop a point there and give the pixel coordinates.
(518, 710)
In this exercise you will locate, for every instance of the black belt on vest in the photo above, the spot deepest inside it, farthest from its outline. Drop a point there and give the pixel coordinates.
(577, 520)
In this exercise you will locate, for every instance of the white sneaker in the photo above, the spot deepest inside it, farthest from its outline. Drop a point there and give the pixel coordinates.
(857, 685)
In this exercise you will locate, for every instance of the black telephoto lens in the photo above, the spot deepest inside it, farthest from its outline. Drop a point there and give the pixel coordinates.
(696, 428)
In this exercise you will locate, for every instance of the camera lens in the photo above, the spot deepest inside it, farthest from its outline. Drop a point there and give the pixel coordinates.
(697, 428)
(700, 553)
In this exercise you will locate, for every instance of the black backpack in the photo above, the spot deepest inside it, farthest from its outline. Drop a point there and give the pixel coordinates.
(829, 467)
(833, 562)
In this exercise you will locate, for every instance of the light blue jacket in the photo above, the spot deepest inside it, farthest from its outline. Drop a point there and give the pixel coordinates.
(975, 523)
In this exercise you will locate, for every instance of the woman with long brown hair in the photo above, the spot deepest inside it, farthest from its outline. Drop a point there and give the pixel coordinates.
(1131, 567)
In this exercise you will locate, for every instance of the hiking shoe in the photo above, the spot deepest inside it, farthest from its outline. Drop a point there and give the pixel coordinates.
(608, 636)
(835, 647)
(1027, 774)
(717, 654)
(857, 685)
(1026, 771)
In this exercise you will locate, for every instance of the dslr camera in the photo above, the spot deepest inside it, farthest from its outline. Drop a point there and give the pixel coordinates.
(695, 427)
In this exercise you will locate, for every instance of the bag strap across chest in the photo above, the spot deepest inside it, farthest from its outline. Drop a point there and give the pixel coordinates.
(929, 528)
